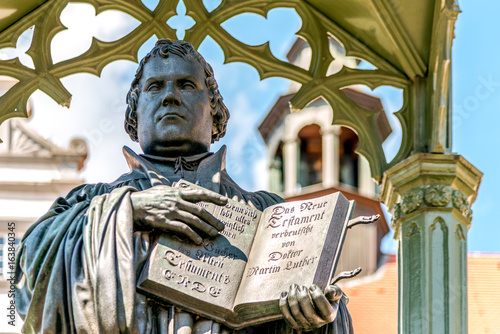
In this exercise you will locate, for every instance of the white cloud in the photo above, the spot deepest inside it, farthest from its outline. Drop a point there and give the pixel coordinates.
(261, 173)
(83, 24)
(96, 114)
(22, 45)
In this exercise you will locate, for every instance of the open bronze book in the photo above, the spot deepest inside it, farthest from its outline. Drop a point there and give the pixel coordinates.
(237, 277)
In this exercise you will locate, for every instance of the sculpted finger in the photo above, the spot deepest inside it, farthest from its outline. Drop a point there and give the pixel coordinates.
(333, 293)
(326, 311)
(181, 228)
(307, 307)
(293, 303)
(200, 195)
(285, 310)
(196, 223)
(206, 217)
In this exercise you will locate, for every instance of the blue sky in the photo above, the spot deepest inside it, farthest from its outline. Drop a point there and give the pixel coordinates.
(98, 104)
(476, 96)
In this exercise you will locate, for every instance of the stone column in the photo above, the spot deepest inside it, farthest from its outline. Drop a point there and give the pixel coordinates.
(275, 177)
(430, 196)
(330, 143)
(366, 186)
(290, 157)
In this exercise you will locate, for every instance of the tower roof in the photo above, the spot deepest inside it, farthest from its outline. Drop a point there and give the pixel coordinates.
(281, 108)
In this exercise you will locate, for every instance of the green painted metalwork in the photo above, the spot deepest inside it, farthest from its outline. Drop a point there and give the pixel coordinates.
(430, 197)
(439, 279)
(414, 281)
(13, 10)
(398, 30)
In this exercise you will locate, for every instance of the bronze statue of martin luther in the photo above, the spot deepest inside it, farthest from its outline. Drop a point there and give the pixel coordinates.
(77, 265)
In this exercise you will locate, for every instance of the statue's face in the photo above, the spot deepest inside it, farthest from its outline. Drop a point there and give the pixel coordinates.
(173, 111)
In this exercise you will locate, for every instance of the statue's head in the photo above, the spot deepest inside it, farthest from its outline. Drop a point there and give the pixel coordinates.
(174, 106)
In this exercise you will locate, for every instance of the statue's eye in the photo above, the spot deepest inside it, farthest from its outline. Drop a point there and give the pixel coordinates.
(154, 86)
(186, 84)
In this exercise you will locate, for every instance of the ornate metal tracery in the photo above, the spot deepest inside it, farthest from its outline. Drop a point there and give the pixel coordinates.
(316, 30)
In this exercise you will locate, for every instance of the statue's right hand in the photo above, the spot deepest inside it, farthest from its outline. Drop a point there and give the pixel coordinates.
(174, 210)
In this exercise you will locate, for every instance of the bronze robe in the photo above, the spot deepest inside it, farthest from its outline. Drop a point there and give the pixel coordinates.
(76, 267)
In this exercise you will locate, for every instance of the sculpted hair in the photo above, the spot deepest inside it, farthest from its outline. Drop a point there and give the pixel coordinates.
(163, 48)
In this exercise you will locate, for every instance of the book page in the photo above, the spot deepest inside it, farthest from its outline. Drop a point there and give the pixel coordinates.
(210, 272)
(288, 247)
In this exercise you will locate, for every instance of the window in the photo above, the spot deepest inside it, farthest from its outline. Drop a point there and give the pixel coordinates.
(2, 246)
(277, 173)
(4, 254)
(348, 161)
(310, 156)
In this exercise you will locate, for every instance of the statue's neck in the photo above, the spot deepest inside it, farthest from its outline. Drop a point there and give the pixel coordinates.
(177, 168)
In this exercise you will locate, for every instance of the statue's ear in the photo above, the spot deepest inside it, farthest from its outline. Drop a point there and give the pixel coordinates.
(215, 133)
(215, 130)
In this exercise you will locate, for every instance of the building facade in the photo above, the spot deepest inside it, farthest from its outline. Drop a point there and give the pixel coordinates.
(33, 173)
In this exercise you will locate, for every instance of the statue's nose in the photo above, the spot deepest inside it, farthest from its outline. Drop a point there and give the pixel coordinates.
(172, 96)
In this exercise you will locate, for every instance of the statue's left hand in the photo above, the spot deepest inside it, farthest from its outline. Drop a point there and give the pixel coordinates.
(309, 308)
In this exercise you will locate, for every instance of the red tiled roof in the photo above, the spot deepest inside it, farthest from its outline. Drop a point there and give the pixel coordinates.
(373, 303)
(484, 293)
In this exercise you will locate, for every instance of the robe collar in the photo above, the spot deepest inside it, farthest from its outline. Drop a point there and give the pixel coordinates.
(208, 173)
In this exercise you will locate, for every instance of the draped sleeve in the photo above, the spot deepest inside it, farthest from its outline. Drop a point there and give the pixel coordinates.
(76, 266)
(50, 260)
